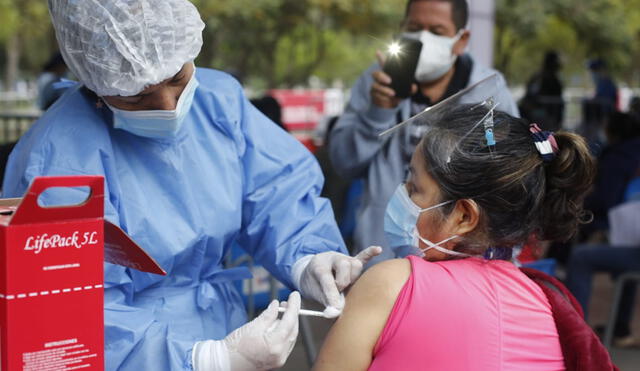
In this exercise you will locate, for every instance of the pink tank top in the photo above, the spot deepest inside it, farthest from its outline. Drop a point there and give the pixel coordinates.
(469, 314)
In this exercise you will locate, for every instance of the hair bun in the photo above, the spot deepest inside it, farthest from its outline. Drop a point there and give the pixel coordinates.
(568, 179)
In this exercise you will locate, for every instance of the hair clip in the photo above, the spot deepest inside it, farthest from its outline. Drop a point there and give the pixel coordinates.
(488, 131)
(545, 142)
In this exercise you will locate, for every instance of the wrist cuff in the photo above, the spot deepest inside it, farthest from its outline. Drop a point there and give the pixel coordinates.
(381, 118)
(210, 355)
(298, 268)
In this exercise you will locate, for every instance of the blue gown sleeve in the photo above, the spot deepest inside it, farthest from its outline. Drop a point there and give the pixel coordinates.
(283, 216)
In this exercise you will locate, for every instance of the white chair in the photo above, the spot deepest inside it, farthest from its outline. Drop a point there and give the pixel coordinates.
(615, 305)
(624, 230)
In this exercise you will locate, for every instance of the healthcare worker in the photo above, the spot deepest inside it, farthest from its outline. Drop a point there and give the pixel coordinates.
(191, 170)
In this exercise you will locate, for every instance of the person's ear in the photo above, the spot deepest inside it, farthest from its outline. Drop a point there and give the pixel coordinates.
(464, 218)
(461, 45)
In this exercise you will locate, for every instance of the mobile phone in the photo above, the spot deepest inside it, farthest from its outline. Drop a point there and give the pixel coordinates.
(401, 66)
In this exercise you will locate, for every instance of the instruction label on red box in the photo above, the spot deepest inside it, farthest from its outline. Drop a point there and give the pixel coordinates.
(65, 354)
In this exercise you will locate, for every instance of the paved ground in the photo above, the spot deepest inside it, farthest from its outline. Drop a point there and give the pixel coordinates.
(627, 360)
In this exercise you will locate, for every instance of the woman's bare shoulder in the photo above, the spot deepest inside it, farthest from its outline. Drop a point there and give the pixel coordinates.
(350, 343)
(385, 278)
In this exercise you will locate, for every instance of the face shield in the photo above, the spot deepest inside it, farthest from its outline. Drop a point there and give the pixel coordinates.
(480, 93)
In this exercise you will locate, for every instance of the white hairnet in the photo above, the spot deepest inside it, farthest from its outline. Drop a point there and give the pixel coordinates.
(120, 47)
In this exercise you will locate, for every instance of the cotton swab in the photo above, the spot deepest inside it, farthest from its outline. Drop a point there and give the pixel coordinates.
(304, 312)
(315, 313)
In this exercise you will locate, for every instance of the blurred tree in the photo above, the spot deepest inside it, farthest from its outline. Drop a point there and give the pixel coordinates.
(283, 42)
(631, 10)
(579, 29)
(516, 22)
(269, 42)
(25, 34)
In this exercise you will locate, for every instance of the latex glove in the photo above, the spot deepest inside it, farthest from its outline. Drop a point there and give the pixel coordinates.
(262, 344)
(319, 282)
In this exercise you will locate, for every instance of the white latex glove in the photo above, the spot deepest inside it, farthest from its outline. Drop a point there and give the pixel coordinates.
(262, 344)
(327, 274)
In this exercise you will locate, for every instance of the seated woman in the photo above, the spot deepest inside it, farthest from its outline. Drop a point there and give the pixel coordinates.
(455, 305)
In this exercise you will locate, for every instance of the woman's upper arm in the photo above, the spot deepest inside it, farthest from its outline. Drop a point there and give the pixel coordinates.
(349, 345)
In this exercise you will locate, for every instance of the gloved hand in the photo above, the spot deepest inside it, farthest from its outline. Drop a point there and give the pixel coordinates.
(262, 344)
(318, 281)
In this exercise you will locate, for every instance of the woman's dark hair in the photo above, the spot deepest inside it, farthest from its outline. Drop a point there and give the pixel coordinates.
(517, 192)
(459, 10)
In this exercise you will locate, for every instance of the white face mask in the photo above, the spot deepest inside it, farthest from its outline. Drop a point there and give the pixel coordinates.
(157, 123)
(436, 57)
(400, 225)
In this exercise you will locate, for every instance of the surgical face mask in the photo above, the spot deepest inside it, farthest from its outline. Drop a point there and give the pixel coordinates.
(157, 123)
(400, 226)
(436, 57)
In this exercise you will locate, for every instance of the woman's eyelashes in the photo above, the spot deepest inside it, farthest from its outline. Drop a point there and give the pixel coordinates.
(411, 188)
(177, 78)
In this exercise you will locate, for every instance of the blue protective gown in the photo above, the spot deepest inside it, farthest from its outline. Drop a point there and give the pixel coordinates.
(230, 177)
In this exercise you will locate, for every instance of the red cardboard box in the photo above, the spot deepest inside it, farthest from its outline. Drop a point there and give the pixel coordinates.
(51, 277)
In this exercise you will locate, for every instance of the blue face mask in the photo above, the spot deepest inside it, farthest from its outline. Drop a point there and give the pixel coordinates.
(400, 226)
(157, 123)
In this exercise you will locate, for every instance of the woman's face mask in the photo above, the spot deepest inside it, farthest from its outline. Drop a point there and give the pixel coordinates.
(436, 57)
(400, 226)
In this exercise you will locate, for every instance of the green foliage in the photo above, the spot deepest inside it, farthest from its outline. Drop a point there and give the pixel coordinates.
(578, 29)
(281, 43)
(9, 19)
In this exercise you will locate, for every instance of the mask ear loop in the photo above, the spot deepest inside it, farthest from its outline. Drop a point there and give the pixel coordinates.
(440, 248)
(458, 35)
(435, 206)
